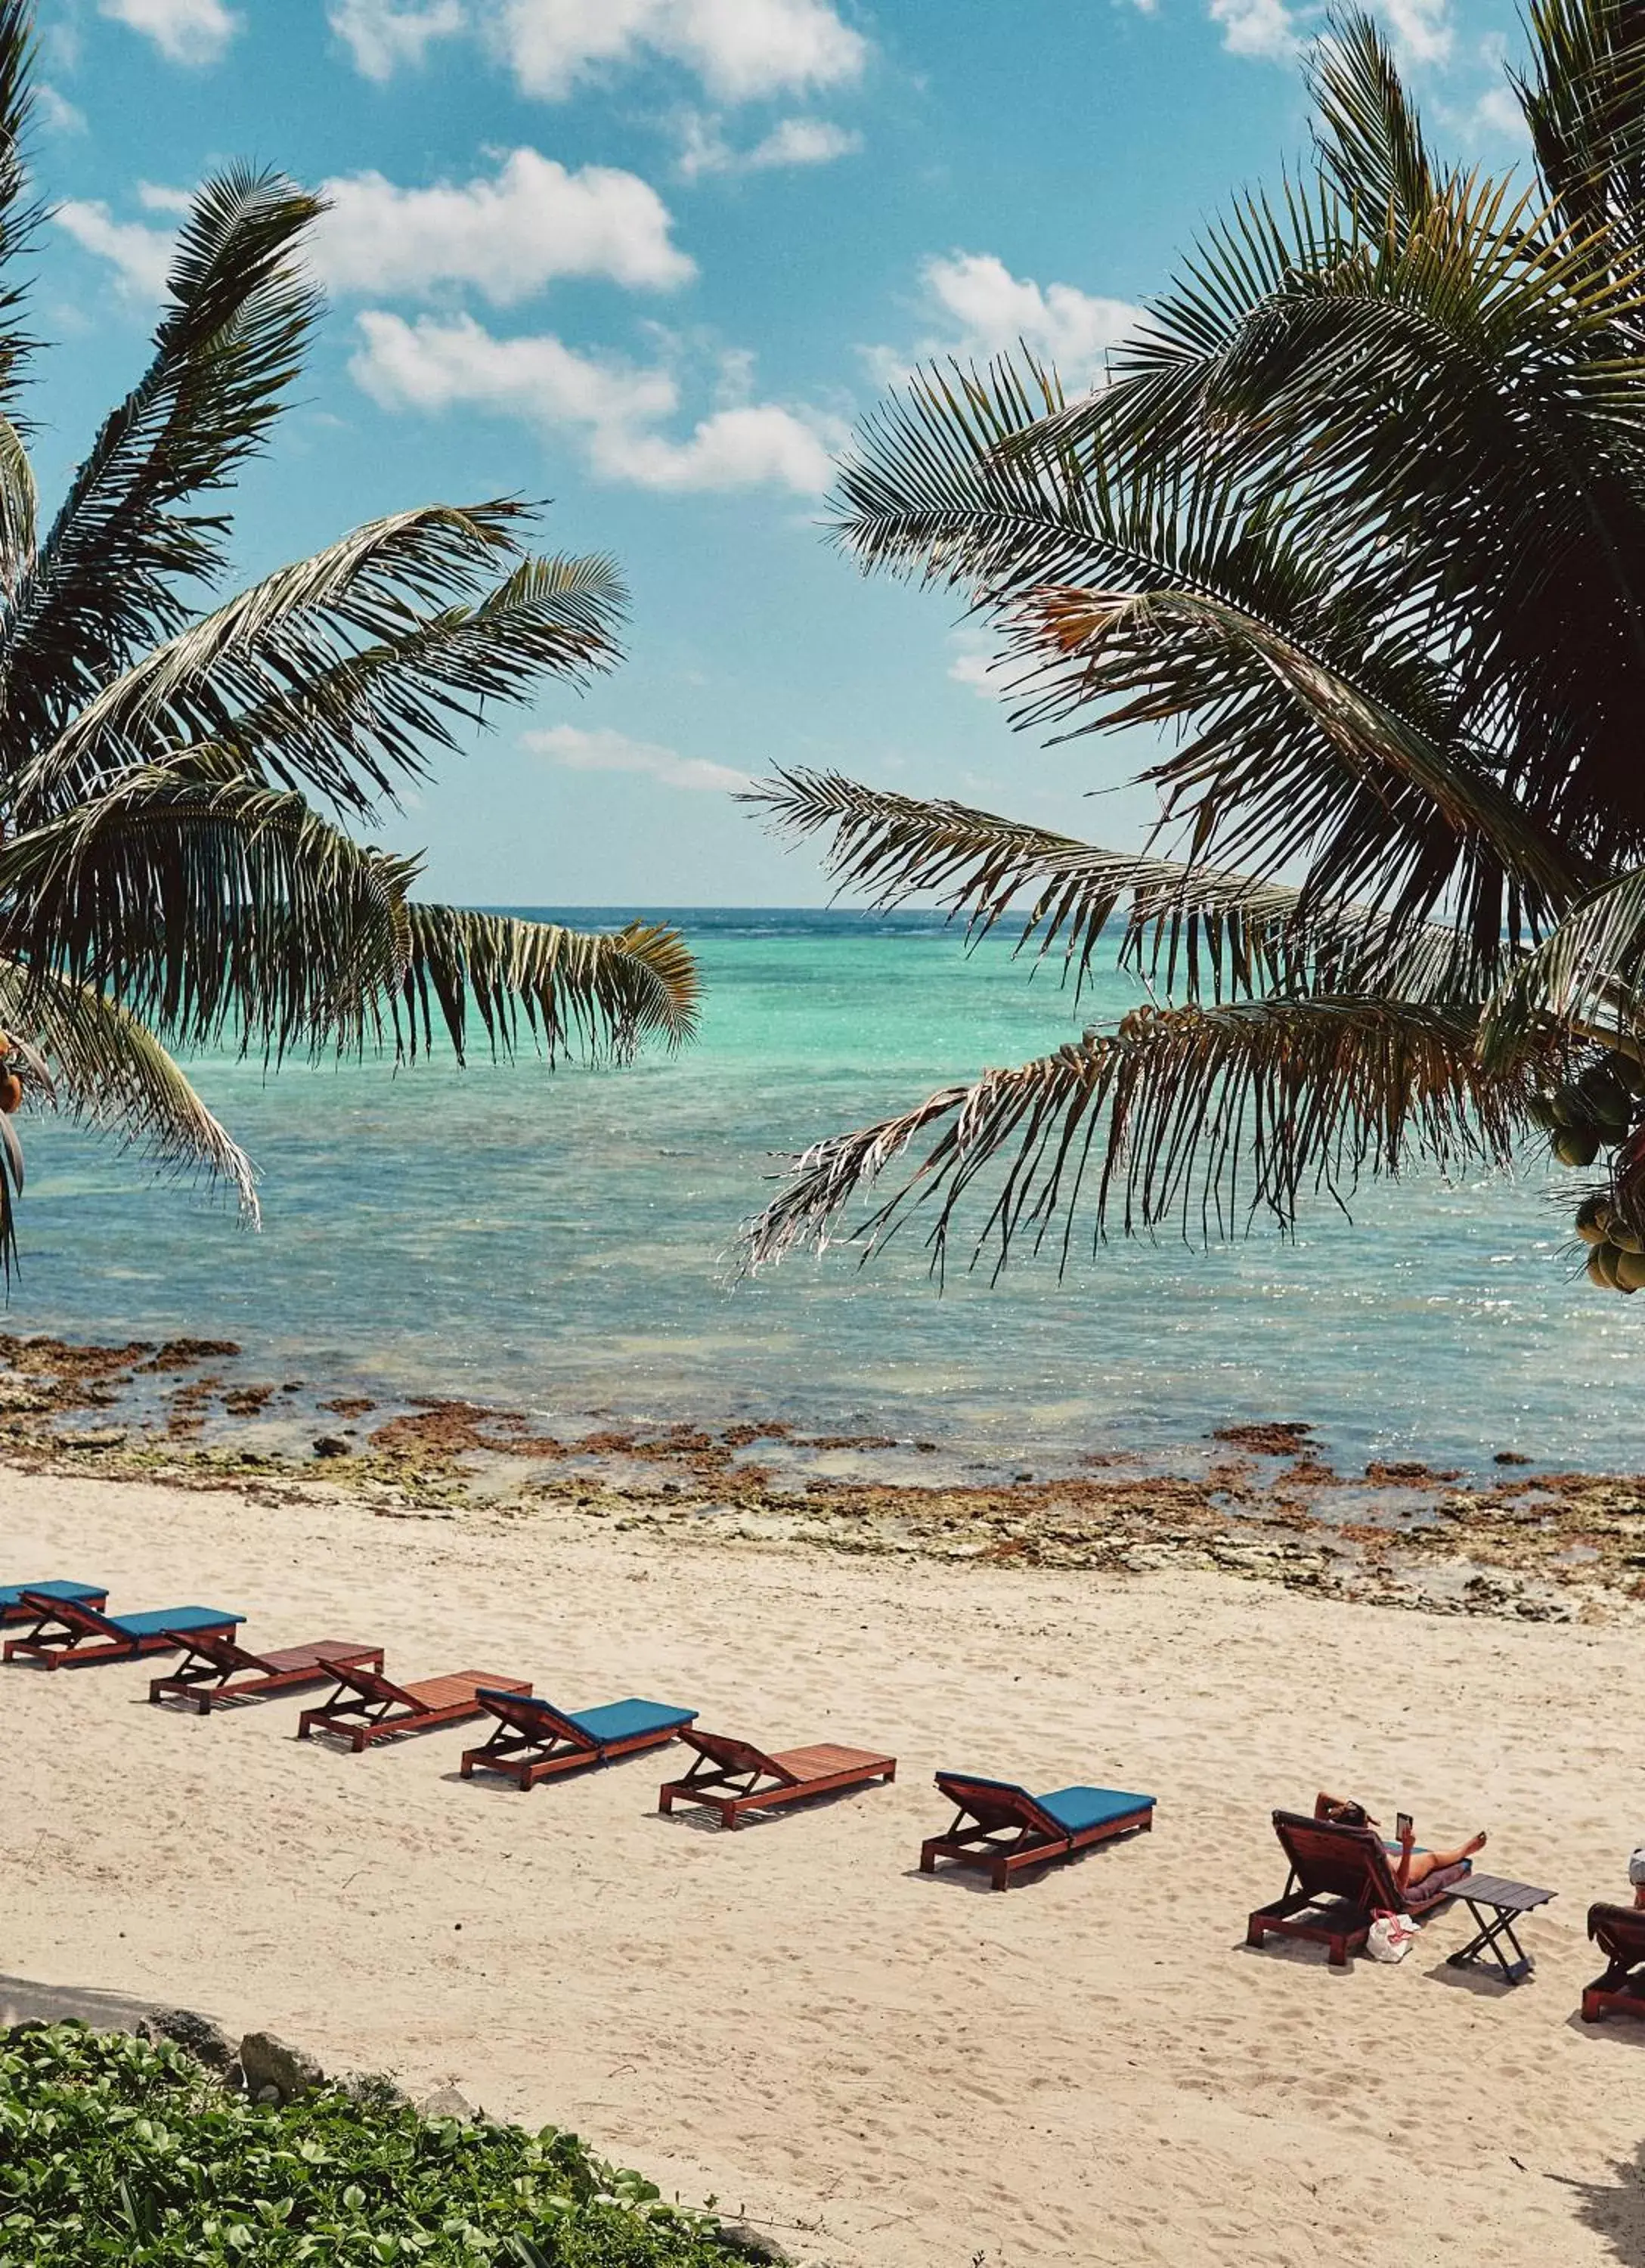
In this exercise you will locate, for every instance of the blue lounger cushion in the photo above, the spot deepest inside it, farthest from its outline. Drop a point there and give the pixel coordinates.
(1076, 1808)
(618, 1721)
(170, 1618)
(76, 1593)
(629, 1720)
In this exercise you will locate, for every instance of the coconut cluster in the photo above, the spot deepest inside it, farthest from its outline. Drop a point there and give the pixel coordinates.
(1600, 1110)
(1616, 1257)
(1595, 1111)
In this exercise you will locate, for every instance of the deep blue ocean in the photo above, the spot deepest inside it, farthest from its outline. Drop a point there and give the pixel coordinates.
(557, 1242)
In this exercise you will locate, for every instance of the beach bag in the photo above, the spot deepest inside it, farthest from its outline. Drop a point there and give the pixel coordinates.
(1390, 1937)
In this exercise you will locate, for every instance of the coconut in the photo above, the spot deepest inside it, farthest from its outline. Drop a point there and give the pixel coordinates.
(1631, 1272)
(1593, 1220)
(1569, 1105)
(1541, 1109)
(1602, 1266)
(1575, 1146)
(1625, 1236)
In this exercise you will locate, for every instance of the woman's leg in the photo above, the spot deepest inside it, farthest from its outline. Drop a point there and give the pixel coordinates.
(1424, 1863)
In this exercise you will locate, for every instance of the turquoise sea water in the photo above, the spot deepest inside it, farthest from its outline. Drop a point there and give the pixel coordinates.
(555, 1242)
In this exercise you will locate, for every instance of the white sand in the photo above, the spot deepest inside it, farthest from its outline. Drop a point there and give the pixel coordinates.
(890, 2069)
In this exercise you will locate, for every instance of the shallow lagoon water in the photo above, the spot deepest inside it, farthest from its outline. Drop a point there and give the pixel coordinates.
(557, 1242)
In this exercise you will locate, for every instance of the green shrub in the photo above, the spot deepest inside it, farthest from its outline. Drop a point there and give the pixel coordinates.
(111, 2150)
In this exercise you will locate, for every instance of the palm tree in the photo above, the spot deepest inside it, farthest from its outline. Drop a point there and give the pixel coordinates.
(1358, 523)
(177, 779)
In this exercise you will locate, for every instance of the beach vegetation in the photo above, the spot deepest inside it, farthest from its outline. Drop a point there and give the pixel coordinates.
(115, 2150)
(184, 775)
(1354, 534)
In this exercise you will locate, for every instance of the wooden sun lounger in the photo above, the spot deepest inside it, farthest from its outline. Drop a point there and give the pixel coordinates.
(367, 1706)
(14, 1597)
(1619, 1933)
(69, 1635)
(732, 1777)
(535, 1741)
(203, 1678)
(1003, 1830)
(1341, 1878)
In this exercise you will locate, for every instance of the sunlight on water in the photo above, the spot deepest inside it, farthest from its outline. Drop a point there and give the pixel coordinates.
(557, 1243)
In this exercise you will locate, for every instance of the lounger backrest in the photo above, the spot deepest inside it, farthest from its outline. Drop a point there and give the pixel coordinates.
(224, 1650)
(1618, 1930)
(1333, 1861)
(735, 1756)
(74, 1614)
(372, 1685)
(530, 1712)
(995, 1803)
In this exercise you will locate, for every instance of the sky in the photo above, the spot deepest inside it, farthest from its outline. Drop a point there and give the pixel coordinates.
(650, 261)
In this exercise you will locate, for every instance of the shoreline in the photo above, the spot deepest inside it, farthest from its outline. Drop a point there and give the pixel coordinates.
(1256, 1501)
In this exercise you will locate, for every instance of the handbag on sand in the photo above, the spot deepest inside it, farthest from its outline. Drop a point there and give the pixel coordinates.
(1390, 1936)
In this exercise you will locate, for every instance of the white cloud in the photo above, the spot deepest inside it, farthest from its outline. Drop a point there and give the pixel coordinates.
(741, 50)
(608, 751)
(1498, 112)
(184, 30)
(56, 113)
(986, 310)
(140, 256)
(618, 411)
(381, 36)
(1256, 28)
(1421, 32)
(508, 236)
(970, 664)
(791, 141)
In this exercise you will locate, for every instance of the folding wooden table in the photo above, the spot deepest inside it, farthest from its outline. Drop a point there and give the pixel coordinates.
(1506, 1901)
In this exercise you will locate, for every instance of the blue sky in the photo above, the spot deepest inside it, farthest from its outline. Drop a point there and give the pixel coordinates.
(650, 259)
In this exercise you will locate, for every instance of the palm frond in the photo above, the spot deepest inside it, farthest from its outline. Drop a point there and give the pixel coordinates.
(380, 709)
(1368, 139)
(1220, 932)
(343, 669)
(602, 993)
(1589, 970)
(19, 504)
(238, 312)
(1197, 1117)
(19, 214)
(204, 901)
(1584, 102)
(111, 1074)
(1096, 643)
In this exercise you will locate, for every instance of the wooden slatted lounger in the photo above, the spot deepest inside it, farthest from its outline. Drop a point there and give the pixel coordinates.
(732, 1777)
(1341, 1878)
(67, 1635)
(203, 1680)
(14, 1598)
(1619, 1933)
(367, 1706)
(1004, 1829)
(534, 1741)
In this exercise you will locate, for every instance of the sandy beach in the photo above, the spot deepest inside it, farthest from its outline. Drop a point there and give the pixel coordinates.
(883, 2067)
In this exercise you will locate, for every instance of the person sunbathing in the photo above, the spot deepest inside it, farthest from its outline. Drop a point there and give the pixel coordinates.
(1414, 1866)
